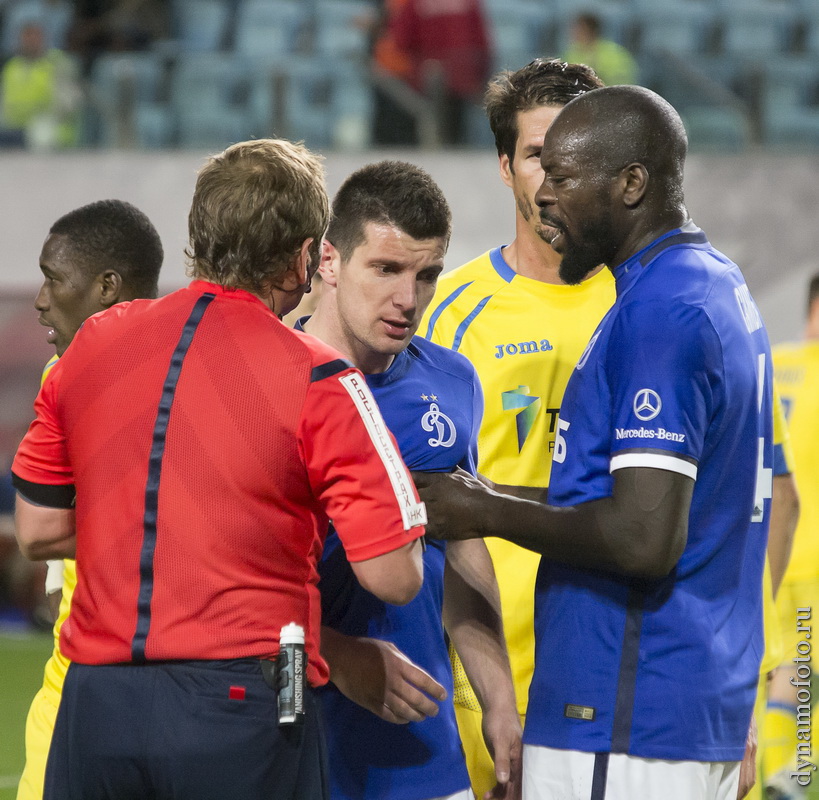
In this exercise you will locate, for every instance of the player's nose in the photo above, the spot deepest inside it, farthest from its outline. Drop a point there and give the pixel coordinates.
(405, 295)
(544, 196)
(41, 299)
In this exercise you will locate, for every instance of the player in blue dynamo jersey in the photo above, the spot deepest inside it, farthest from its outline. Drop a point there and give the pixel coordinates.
(383, 254)
(648, 602)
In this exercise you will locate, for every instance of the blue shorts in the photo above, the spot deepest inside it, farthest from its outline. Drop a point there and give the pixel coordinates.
(193, 729)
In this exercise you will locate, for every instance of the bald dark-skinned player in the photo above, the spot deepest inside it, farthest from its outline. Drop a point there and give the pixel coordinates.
(648, 599)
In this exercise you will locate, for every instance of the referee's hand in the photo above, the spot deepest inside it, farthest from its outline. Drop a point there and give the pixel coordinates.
(379, 677)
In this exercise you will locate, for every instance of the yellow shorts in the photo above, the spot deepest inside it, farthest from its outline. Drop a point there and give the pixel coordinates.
(479, 763)
(39, 728)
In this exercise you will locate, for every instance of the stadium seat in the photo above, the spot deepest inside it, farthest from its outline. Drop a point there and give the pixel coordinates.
(266, 28)
(303, 98)
(810, 27)
(725, 130)
(790, 83)
(790, 103)
(201, 25)
(342, 28)
(795, 130)
(756, 29)
(675, 29)
(517, 31)
(128, 92)
(209, 97)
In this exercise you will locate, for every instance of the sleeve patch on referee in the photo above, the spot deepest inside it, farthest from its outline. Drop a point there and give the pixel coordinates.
(41, 494)
(413, 513)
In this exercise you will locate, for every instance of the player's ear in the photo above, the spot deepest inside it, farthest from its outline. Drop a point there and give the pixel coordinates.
(505, 168)
(632, 183)
(300, 269)
(330, 263)
(109, 286)
(295, 276)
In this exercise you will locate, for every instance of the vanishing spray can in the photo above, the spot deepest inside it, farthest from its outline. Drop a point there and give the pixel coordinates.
(292, 674)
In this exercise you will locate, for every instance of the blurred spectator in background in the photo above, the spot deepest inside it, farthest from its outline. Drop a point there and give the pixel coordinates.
(611, 61)
(392, 123)
(441, 49)
(102, 26)
(53, 15)
(40, 94)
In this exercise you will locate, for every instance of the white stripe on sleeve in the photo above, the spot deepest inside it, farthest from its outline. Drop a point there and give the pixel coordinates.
(665, 461)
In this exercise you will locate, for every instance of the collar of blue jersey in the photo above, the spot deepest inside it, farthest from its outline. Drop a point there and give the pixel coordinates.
(398, 368)
(628, 272)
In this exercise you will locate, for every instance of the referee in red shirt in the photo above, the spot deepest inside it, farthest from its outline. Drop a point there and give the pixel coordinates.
(189, 452)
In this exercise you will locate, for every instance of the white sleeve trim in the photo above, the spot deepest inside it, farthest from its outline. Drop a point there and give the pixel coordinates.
(412, 513)
(667, 462)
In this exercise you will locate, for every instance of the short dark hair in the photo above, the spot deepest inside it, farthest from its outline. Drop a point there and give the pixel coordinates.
(813, 290)
(113, 234)
(542, 82)
(254, 206)
(392, 193)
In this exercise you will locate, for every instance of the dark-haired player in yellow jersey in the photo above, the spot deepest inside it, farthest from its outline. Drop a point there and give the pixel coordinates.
(93, 257)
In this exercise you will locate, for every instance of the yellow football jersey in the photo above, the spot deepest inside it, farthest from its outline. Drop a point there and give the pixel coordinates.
(43, 711)
(796, 368)
(524, 338)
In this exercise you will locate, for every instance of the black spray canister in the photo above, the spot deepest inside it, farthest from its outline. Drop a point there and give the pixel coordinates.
(292, 674)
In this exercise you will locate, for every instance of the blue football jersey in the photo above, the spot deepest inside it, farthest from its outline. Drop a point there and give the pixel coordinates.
(677, 376)
(431, 400)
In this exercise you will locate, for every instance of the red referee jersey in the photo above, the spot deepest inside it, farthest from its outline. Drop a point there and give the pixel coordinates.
(208, 445)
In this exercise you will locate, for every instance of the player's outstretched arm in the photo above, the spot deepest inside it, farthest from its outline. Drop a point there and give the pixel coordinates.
(379, 677)
(44, 532)
(640, 531)
(472, 618)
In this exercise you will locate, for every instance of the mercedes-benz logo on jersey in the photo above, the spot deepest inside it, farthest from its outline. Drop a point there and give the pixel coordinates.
(647, 404)
(444, 427)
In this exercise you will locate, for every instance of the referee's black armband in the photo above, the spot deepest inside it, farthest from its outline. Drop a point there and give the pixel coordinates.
(41, 494)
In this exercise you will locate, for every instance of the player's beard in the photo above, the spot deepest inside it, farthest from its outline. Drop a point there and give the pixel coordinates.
(582, 256)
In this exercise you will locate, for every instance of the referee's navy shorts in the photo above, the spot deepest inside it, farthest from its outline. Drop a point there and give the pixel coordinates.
(194, 729)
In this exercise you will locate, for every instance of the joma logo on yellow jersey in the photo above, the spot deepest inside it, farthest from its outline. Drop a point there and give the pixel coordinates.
(522, 348)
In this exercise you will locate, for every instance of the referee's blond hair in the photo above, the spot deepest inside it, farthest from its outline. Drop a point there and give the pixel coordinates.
(254, 206)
